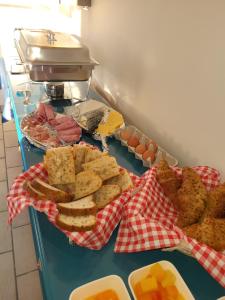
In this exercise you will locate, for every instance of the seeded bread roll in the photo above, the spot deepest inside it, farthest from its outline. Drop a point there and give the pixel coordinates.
(106, 194)
(82, 207)
(123, 180)
(79, 223)
(79, 152)
(87, 182)
(106, 167)
(59, 163)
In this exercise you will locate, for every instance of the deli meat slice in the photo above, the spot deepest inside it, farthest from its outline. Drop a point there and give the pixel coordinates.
(71, 131)
(67, 125)
(62, 120)
(69, 138)
(49, 112)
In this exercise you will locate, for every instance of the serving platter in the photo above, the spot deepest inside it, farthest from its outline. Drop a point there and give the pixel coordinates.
(47, 129)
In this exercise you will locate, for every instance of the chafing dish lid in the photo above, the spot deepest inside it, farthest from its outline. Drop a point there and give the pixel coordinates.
(47, 47)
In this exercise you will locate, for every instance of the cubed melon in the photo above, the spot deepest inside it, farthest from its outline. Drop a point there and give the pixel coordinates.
(172, 292)
(149, 284)
(169, 279)
(157, 271)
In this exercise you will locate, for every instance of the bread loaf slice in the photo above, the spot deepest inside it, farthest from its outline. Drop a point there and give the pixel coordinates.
(51, 192)
(93, 154)
(79, 152)
(82, 207)
(106, 194)
(59, 163)
(33, 192)
(123, 180)
(87, 182)
(68, 188)
(106, 167)
(78, 223)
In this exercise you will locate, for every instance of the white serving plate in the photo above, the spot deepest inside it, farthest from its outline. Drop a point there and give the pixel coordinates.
(113, 282)
(141, 273)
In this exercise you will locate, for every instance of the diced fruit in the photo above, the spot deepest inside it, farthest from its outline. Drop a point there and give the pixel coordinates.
(180, 297)
(157, 271)
(138, 290)
(172, 292)
(169, 279)
(149, 284)
(163, 294)
(107, 295)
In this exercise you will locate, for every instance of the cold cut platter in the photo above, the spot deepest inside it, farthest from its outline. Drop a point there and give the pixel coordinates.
(45, 128)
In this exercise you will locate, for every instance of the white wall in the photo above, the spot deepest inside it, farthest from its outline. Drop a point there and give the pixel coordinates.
(164, 62)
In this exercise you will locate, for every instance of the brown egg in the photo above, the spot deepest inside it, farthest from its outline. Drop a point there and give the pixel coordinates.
(149, 155)
(140, 149)
(133, 141)
(125, 134)
(152, 146)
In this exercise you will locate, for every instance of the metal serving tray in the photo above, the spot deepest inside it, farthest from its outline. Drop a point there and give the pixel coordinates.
(53, 56)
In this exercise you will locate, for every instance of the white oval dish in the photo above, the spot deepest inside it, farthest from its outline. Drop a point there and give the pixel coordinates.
(113, 282)
(141, 273)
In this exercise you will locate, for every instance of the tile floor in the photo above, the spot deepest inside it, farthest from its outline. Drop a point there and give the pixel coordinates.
(19, 276)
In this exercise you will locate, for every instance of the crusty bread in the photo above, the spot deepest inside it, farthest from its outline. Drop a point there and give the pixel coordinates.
(106, 194)
(123, 180)
(68, 188)
(106, 167)
(82, 207)
(93, 154)
(51, 192)
(59, 163)
(87, 182)
(79, 152)
(78, 223)
(33, 192)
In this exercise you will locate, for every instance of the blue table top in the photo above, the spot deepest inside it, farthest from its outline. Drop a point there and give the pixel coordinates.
(65, 266)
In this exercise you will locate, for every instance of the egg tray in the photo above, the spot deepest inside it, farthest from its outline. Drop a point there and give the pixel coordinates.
(160, 152)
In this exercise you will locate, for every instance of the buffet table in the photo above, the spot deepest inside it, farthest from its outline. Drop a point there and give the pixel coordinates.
(64, 266)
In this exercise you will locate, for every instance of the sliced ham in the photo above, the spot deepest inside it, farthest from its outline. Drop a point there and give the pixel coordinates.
(71, 131)
(70, 138)
(63, 119)
(66, 125)
(49, 112)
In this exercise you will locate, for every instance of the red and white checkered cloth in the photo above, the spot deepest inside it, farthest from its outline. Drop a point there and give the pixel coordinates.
(107, 219)
(148, 223)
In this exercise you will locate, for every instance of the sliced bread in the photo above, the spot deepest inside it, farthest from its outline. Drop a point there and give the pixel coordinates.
(51, 192)
(93, 154)
(123, 180)
(106, 194)
(78, 223)
(59, 163)
(87, 182)
(33, 192)
(68, 188)
(106, 167)
(82, 207)
(79, 152)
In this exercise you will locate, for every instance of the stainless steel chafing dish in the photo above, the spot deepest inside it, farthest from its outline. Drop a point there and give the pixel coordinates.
(53, 56)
